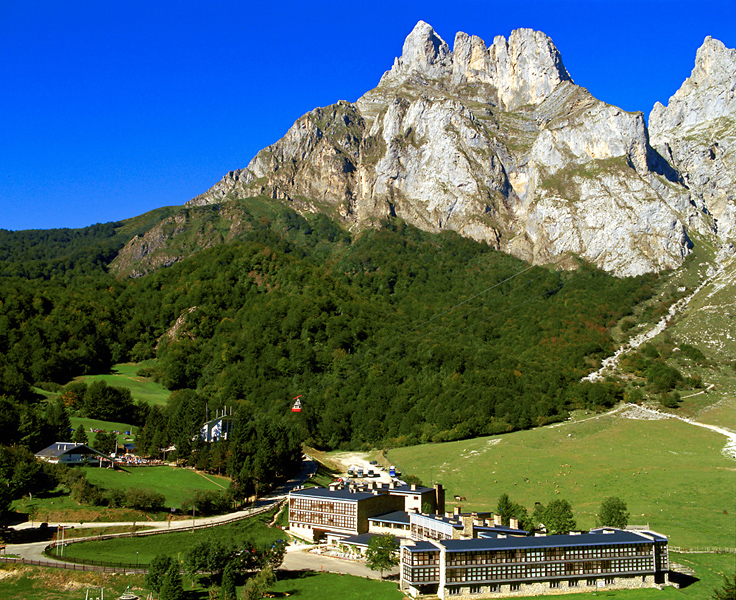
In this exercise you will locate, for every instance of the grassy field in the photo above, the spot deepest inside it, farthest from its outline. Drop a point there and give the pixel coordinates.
(57, 506)
(107, 426)
(34, 583)
(672, 475)
(144, 549)
(306, 585)
(124, 375)
(177, 484)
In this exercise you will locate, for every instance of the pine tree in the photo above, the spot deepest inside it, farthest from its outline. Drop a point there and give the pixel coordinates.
(227, 591)
(172, 587)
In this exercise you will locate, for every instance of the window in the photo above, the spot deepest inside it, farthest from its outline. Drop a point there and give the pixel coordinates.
(453, 591)
(590, 582)
(554, 584)
(610, 581)
(572, 583)
(475, 589)
(494, 588)
(515, 587)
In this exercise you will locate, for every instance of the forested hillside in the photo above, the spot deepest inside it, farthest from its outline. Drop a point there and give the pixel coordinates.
(397, 336)
(392, 337)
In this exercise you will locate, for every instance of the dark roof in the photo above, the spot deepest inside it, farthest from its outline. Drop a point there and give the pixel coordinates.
(397, 516)
(60, 448)
(421, 546)
(317, 492)
(549, 541)
(406, 489)
(494, 530)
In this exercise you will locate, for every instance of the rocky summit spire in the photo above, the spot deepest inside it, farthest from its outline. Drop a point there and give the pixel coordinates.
(526, 68)
(695, 132)
(709, 92)
(424, 53)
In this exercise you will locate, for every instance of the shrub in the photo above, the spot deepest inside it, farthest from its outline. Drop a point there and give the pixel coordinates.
(145, 500)
(208, 502)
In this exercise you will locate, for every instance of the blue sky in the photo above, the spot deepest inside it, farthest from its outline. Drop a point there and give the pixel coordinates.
(113, 108)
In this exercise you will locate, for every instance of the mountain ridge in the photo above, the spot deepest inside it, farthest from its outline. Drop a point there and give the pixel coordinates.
(495, 142)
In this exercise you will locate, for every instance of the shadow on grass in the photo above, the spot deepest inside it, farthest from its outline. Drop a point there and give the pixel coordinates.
(683, 580)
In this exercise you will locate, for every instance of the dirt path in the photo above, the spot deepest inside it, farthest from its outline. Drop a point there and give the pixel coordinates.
(610, 365)
(211, 480)
(640, 412)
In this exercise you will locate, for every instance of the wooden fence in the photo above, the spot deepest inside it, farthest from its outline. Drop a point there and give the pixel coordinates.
(704, 550)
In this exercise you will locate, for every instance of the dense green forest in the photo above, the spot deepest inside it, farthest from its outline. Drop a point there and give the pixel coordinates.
(393, 336)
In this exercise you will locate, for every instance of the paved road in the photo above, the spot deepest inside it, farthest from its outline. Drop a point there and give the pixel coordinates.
(298, 558)
(34, 551)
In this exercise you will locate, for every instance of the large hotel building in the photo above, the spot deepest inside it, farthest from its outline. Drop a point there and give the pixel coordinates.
(472, 555)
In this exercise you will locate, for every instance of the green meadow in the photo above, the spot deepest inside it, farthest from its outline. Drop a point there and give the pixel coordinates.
(673, 475)
(176, 483)
(143, 549)
(34, 583)
(124, 375)
(88, 424)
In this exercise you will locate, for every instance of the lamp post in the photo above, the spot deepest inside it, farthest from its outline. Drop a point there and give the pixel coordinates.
(136, 559)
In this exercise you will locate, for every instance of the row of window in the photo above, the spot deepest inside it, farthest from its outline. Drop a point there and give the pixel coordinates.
(538, 571)
(424, 575)
(421, 558)
(546, 555)
(341, 508)
(332, 520)
(426, 533)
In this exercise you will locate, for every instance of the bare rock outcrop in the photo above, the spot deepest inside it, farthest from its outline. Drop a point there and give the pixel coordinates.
(696, 133)
(497, 143)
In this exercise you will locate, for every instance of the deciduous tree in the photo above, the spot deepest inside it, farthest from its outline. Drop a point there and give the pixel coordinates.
(382, 553)
(558, 517)
(613, 513)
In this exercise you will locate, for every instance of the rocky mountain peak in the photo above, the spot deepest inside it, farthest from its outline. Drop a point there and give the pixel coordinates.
(424, 52)
(524, 69)
(696, 133)
(709, 92)
(498, 144)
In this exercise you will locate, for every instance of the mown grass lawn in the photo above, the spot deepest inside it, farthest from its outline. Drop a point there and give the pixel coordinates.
(57, 506)
(35, 583)
(176, 483)
(672, 475)
(124, 375)
(107, 426)
(128, 550)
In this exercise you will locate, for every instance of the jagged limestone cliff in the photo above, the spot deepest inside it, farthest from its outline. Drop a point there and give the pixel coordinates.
(495, 142)
(696, 132)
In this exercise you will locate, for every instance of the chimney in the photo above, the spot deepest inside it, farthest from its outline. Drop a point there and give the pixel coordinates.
(391, 486)
(413, 487)
(467, 526)
(497, 520)
(455, 511)
(514, 523)
(439, 497)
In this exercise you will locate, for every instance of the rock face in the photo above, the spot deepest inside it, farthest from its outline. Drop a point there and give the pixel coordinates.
(696, 132)
(497, 143)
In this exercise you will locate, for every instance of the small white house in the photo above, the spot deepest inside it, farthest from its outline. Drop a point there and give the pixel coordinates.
(217, 429)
